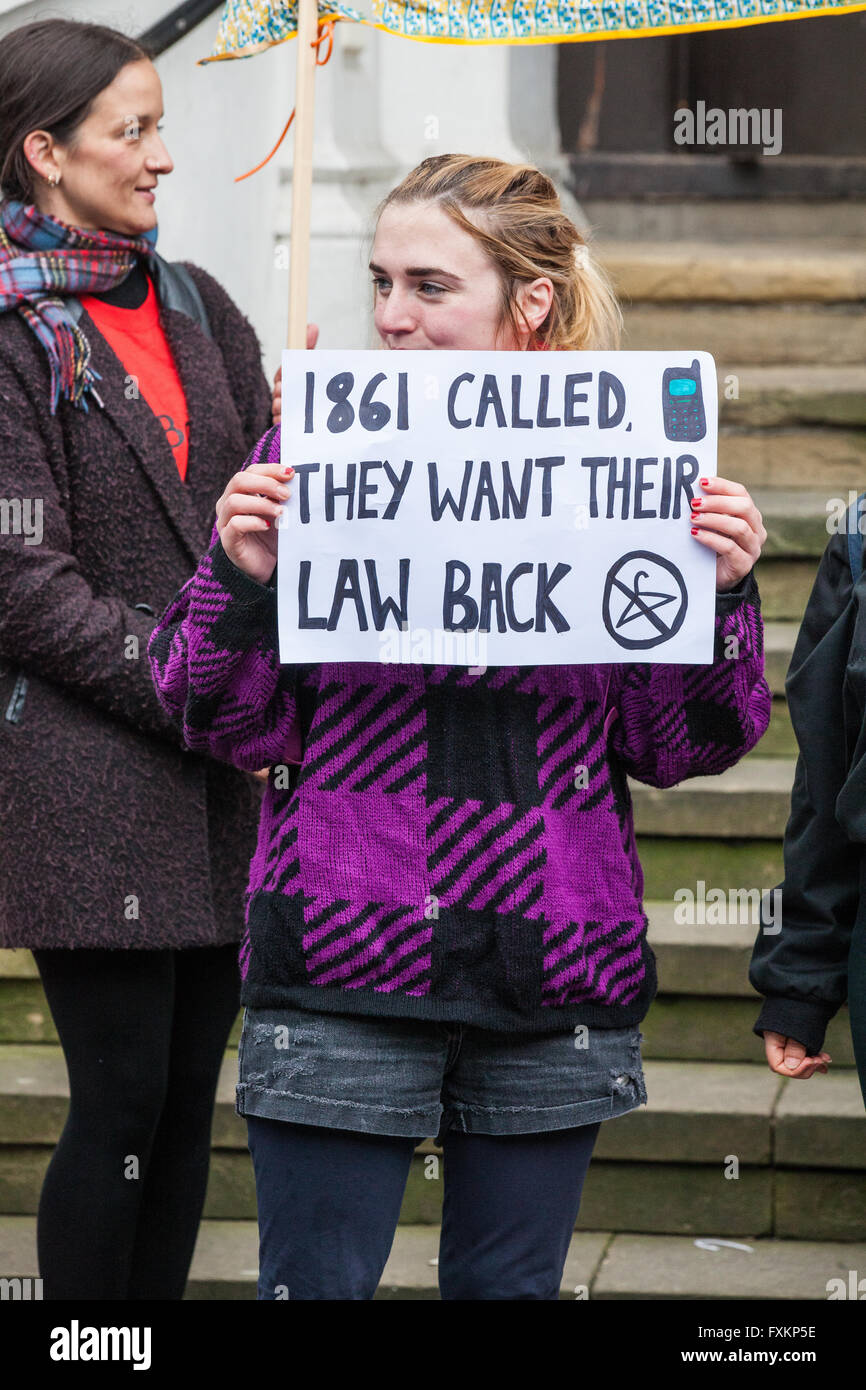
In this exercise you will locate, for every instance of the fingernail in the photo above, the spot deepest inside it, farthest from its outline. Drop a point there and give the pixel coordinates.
(694, 530)
(696, 501)
(290, 470)
(791, 1062)
(703, 482)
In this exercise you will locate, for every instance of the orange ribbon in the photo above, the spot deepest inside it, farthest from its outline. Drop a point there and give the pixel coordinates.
(326, 31)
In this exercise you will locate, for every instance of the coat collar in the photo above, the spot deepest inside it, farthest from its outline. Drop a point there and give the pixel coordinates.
(199, 364)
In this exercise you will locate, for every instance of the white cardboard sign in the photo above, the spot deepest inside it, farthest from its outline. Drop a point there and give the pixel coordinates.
(496, 508)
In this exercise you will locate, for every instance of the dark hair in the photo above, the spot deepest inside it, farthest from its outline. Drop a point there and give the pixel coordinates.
(51, 73)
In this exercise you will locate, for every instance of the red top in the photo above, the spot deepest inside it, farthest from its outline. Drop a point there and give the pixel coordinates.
(137, 336)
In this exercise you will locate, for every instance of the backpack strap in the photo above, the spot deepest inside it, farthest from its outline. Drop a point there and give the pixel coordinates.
(855, 537)
(175, 289)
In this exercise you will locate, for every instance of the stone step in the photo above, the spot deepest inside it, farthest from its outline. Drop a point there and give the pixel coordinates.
(676, 1267)
(730, 1148)
(785, 586)
(777, 396)
(696, 961)
(798, 522)
(24, 1013)
(701, 1010)
(779, 640)
(659, 1198)
(783, 220)
(695, 1108)
(703, 943)
(794, 458)
(670, 862)
(677, 1199)
(801, 333)
(744, 272)
(779, 741)
(726, 1197)
(752, 797)
(599, 1264)
(691, 1028)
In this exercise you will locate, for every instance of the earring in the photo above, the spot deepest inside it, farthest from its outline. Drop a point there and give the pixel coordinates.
(54, 180)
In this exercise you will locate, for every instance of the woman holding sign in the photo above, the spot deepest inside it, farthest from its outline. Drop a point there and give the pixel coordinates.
(444, 924)
(129, 387)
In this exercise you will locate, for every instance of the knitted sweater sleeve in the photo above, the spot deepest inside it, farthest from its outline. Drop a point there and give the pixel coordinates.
(682, 721)
(215, 661)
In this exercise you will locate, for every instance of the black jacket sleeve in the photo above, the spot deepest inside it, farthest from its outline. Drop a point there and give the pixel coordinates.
(799, 961)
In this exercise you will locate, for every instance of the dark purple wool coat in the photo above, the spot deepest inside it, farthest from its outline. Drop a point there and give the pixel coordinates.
(112, 833)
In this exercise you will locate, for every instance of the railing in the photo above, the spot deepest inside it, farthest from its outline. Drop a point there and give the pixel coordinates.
(177, 24)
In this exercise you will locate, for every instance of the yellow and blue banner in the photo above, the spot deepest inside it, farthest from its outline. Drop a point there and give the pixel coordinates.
(250, 26)
(546, 21)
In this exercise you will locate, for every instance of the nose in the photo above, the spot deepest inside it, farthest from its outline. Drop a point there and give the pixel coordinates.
(159, 160)
(395, 313)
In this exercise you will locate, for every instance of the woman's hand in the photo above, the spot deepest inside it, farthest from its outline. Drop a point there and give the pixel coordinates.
(781, 1050)
(277, 398)
(246, 517)
(727, 520)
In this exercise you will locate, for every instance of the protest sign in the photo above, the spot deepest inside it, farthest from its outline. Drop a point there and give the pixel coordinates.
(496, 508)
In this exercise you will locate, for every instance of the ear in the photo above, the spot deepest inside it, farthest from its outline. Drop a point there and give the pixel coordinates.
(535, 300)
(38, 149)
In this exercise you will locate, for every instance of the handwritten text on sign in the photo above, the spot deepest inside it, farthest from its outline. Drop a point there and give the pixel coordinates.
(496, 508)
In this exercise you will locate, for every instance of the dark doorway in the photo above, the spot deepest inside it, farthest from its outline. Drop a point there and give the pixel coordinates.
(620, 97)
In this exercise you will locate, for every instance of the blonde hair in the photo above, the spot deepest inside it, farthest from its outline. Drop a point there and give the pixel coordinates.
(522, 227)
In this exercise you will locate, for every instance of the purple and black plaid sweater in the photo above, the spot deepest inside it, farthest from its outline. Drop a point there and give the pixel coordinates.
(437, 844)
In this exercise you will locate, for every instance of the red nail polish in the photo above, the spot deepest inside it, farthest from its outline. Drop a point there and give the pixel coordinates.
(694, 530)
(703, 482)
(696, 501)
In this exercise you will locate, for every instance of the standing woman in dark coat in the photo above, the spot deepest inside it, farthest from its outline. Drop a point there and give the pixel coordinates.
(129, 388)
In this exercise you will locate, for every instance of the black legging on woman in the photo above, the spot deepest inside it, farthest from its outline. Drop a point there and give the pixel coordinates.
(144, 1034)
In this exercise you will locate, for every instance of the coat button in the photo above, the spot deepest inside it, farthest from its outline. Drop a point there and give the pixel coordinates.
(145, 608)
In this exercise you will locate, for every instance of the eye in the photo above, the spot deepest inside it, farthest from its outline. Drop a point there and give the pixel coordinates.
(379, 281)
(437, 289)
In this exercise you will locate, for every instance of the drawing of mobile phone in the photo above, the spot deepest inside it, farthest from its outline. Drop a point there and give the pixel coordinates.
(683, 403)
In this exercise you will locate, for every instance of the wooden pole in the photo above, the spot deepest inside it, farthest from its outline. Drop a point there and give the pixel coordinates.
(302, 174)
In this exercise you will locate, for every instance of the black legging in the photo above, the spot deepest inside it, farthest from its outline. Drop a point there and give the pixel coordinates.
(144, 1034)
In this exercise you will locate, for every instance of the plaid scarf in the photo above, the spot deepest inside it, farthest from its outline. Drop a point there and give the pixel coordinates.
(41, 260)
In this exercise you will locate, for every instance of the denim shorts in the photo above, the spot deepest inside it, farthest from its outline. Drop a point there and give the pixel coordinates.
(419, 1079)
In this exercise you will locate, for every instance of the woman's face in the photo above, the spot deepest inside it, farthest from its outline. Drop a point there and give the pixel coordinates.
(437, 288)
(108, 171)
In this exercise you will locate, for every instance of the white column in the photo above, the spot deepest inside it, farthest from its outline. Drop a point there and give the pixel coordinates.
(351, 171)
(439, 98)
(532, 104)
